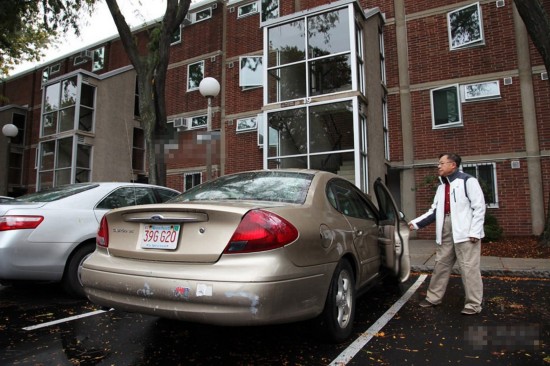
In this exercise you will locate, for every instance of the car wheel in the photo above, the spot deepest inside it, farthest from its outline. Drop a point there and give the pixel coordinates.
(336, 321)
(71, 278)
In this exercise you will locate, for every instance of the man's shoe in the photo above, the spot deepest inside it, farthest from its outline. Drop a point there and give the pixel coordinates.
(426, 304)
(468, 311)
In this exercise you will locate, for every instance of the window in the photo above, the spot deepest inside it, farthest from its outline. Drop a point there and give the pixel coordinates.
(138, 150)
(487, 177)
(176, 37)
(247, 9)
(382, 56)
(199, 121)
(202, 15)
(137, 113)
(477, 91)
(465, 27)
(270, 9)
(49, 71)
(386, 128)
(317, 137)
(251, 72)
(195, 73)
(247, 124)
(190, 180)
(18, 119)
(98, 59)
(445, 103)
(127, 196)
(348, 200)
(61, 110)
(321, 65)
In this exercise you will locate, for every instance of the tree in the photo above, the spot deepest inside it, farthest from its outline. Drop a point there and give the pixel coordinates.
(534, 14)
(28, 27)
(151, 67)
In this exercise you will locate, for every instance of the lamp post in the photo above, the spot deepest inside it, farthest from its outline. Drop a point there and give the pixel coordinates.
(209, 88)
(10, 131)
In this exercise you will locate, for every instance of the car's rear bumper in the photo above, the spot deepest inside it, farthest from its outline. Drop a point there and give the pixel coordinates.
(247, 294)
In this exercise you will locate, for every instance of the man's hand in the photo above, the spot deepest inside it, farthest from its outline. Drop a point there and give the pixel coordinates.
(473, 240)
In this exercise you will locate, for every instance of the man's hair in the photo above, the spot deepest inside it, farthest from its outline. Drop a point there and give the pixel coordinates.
(452, 157)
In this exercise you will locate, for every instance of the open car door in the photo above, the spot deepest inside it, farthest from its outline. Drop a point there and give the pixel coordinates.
(393, 235)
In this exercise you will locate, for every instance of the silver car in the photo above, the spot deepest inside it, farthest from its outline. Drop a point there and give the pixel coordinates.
(251, 248)
(47, 235)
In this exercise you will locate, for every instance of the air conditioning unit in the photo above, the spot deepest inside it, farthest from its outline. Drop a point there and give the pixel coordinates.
(181, 123)
(86, 54)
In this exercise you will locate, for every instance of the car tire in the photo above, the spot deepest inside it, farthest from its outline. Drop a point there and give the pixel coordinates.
(71, 278)
(336, 321)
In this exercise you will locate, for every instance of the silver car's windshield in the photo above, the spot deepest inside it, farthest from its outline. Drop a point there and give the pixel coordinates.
(55, 193)
(274, 186)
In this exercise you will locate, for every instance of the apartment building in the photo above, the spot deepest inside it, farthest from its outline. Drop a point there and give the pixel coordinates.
(364, 89)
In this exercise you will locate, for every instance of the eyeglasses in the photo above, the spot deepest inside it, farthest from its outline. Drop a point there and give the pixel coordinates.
(444, 162)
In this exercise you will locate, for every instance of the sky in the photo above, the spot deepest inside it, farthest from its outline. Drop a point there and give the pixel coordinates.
(98, 27)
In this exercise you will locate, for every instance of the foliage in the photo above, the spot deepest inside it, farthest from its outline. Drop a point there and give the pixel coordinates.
(493, 230)
(28, 27)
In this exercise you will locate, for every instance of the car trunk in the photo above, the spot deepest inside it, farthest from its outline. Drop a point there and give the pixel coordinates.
(202, 231)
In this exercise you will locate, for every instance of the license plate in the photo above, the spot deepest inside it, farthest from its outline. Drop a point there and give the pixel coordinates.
(160, 236)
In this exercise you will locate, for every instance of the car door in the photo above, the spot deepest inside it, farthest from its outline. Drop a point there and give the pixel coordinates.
(364, 229)
(393, 234)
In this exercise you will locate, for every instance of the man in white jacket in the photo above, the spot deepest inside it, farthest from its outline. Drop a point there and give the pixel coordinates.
(458, 210)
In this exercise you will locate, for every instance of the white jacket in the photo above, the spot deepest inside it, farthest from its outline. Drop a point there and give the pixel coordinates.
(467, 209)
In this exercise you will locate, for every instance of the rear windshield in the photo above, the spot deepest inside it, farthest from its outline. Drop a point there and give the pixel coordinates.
(273, 186)
(55, 193)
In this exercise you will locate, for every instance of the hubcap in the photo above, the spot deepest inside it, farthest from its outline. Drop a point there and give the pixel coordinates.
(344, 299)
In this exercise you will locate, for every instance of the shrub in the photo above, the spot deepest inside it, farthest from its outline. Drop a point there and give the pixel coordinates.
(493, 231)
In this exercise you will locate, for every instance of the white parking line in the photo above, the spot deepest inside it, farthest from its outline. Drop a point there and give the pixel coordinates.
(44, 325)
(346, 356)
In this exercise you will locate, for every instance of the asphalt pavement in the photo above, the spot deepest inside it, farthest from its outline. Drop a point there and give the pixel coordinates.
(422, 254)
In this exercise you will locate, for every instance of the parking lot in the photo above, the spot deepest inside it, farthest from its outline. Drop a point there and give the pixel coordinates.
(41, 325)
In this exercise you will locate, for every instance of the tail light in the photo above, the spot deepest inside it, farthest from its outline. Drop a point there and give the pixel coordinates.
(19, 222)
(102, 237)
(261, 230)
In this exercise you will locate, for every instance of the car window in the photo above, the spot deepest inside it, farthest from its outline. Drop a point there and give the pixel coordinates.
(346, 199)
(289, 187)
(55, 193)
(164, 195)
(127, 196)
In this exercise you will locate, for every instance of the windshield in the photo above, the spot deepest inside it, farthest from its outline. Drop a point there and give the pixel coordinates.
(55, 193)
(290, 187)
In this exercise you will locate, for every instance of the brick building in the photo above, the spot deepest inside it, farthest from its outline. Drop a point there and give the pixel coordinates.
(360, 88)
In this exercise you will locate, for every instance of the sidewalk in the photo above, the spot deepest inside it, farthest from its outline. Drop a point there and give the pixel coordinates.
(422, 254)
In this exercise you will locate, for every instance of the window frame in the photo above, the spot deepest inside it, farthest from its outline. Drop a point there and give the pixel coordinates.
(194, 15)
(247, 85)
(476, 42)
(196, 118)
(494, 95)
(458, 123)
(98, 53)
(192, 176)
(189, 87)
(494, 187)
(253, 5)
(253, 119)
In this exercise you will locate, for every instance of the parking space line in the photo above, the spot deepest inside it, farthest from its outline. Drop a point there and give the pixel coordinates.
(64, 320)
(346, 356)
